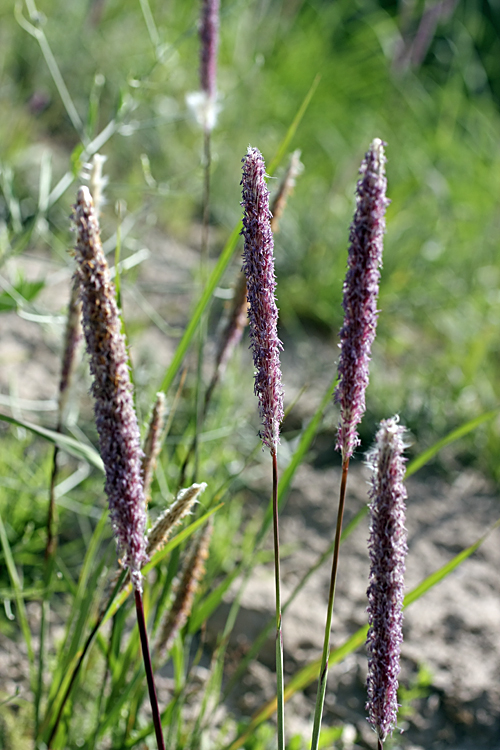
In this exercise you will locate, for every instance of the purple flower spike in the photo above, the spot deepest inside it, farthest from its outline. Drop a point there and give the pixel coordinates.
(119, 437)
(387, 547)
(360, 295)
(209, 38)
(258, 266)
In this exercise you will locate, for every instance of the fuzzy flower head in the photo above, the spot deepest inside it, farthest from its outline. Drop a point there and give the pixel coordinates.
(116, 421)
(360, 295)
(387, 548)
(258, 266)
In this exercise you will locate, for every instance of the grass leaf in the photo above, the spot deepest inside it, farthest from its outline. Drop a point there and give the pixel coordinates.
(64, 442)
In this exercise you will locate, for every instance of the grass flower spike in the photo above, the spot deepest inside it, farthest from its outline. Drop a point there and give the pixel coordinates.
(192, 573)
(360, 295)
(387, 546)
(258, 267)
(153, 443)
(119, 437)
(209, 38)
(356, 337)
(203, 103)
(160, 532)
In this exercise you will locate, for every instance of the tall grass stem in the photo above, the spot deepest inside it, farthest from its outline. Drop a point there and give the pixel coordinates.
(323, 671)
(280, 686)
(149, 669)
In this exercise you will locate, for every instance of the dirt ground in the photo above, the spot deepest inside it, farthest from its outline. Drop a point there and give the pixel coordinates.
(452, 631)
(451, 650)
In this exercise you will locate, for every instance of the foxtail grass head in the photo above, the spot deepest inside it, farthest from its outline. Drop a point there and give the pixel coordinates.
(152, 443)
(173, 515)
(191, 575)
(119, 437)
(387, 548)
(361, 287)
(258, 266)
(72, 337)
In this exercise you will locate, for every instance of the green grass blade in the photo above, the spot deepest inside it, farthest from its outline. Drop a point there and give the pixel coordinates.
(213, 281)
(64, 442)
(69, 648)
(20, 606)
(211, 603)
(448, 568)
(285, 144)
(454, 435)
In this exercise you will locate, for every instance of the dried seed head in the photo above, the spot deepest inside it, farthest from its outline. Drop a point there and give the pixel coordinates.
(387, 548)
(119, 437)
(72, 337)
(360, 295)
(258, 266)
(192, 573)
(152, 443)
(160, 532)
(231, 336)
(286, 187)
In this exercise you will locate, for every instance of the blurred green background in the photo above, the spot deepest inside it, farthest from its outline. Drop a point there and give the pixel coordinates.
(425, 77)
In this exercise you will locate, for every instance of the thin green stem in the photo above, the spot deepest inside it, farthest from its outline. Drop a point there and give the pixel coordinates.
(50, 551)
(207, 164)
(51, 545)
(280, 687)
(323, 672)
(200, 412)
(149, 670)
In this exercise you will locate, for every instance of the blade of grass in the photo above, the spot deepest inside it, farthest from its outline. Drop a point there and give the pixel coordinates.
(452, 436)
(285, 144)
(64, 442)
(213, 281)
(20, 606)
(52, 65)
(113, 605)
(69, 645)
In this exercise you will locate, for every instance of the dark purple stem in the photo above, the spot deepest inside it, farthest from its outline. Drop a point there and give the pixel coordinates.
(149, 670)
(279, 630)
